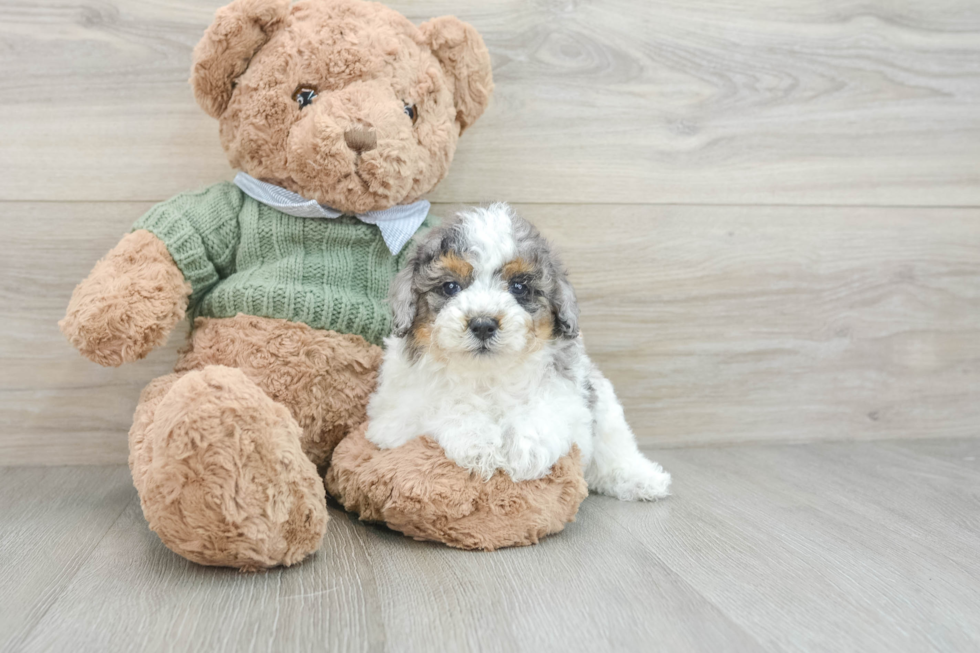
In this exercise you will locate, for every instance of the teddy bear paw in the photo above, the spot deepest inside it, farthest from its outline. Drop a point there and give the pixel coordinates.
(226, 481)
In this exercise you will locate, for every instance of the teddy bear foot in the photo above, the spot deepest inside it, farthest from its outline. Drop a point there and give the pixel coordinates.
(221, 474)
(417, 490)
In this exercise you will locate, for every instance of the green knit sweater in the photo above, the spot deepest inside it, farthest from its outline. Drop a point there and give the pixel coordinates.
(241, 256)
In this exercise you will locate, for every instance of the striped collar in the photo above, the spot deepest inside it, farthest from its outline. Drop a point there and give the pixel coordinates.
(397, 224)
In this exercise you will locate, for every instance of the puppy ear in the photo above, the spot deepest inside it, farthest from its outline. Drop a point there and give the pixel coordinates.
(464, 56)
(237, 33)
(565, 307)
(401, 298)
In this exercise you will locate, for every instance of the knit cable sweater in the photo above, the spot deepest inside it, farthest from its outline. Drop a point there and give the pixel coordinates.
(241, 256)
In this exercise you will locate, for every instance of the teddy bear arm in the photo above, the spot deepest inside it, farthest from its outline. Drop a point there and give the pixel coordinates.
(128, 304)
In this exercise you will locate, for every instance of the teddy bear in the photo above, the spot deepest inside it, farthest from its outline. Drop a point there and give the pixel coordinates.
(340, 115)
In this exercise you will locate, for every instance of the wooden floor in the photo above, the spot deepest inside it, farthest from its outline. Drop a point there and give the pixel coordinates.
(819, 547)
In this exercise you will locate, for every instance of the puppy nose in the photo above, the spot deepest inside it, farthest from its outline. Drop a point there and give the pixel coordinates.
(360, 140)
(484, 327)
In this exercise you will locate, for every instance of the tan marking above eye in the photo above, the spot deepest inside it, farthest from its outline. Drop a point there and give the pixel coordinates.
(516, 267)
(455, 264)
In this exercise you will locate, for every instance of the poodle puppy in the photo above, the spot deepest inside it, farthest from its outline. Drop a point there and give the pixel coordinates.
(487, 359)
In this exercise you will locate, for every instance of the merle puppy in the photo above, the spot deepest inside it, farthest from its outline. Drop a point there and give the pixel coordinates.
(487, 359)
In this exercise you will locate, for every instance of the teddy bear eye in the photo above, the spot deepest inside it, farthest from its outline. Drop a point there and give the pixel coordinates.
(411, 112)
(304, 94)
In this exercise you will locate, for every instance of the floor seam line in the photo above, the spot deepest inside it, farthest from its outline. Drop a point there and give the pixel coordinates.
(681, 578)
(674, 446)
(74, 575)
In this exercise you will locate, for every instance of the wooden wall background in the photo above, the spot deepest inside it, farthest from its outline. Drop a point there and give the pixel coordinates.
(771, 208)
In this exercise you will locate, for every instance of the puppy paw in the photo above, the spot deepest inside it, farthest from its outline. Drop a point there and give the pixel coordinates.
(481, 462)
(529, 456)
(644, 481)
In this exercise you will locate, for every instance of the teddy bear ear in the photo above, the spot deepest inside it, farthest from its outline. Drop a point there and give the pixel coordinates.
(238, 31)
(462, 53)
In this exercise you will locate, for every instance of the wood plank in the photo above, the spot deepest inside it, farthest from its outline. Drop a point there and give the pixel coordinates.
(370, 589)
(136, 595)
(962, 453)
(580, 590)
(721, 324)
(50, 521)
(676, 101)
(826, 546)
(820, 547)
(717, 324)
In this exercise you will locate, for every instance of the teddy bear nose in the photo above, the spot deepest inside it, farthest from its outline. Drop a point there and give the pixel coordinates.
(360, 140)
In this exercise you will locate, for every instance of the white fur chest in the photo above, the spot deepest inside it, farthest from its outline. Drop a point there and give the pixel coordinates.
(520, 418)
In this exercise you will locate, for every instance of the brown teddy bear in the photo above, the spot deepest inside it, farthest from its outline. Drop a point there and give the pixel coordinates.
(341, 115)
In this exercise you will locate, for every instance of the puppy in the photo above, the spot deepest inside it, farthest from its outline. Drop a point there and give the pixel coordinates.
(486, 358)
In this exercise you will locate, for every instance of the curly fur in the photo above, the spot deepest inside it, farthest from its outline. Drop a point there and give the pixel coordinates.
(417, 490)
(128, 304)
(324, 378)
(237, 32)
(220, 472)
(461, 51)
(224, 451)
(366, 62)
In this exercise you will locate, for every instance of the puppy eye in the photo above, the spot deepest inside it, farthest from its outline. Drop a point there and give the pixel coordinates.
(518, 289)
(304, 94)
(450, 288)
(411, 112)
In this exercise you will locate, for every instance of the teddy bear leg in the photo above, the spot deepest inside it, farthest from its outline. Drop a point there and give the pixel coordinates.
(323, 377)
(221, 474)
